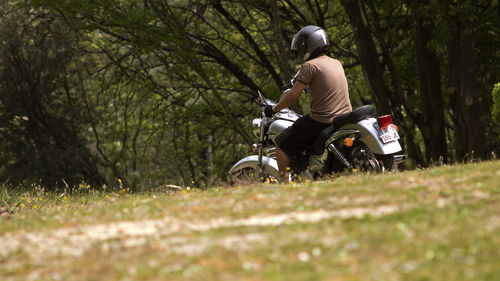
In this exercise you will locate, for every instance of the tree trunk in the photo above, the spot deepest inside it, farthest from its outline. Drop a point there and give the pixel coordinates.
(368, 56)
(469, 137)
(399, 99)
(285, 69)
(429, 76)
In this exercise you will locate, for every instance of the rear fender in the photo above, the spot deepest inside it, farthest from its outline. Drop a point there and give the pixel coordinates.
(369, 136)
(269, 164)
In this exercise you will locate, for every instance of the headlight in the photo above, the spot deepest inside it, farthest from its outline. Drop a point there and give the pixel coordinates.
(256, 127)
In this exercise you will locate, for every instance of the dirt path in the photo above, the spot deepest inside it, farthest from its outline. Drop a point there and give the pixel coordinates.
(166, 232)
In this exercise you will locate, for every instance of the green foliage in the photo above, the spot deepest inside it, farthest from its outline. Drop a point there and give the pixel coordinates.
(40, 133)
(160, 91)
(495, 94)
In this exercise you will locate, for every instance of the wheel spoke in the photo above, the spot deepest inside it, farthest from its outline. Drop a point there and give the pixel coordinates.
(364, 160)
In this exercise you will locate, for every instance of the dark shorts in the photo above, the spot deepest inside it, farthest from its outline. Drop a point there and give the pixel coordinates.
(299, 136)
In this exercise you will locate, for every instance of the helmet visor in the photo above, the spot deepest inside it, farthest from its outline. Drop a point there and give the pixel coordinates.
(294, 46)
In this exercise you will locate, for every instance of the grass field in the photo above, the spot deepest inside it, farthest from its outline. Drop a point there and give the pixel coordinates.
(437, 224)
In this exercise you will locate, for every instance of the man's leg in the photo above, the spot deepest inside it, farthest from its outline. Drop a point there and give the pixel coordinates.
(283, 164)
(294, 140)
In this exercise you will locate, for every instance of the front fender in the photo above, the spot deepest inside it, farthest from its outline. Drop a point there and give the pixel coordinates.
(269, 164)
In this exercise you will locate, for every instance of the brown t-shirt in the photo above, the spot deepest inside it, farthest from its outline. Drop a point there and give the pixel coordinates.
(327, 88)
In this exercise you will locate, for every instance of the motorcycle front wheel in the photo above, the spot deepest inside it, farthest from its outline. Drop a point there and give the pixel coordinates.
(249, 176)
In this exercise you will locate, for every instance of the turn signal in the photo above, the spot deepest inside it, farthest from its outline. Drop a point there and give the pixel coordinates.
(348, 142)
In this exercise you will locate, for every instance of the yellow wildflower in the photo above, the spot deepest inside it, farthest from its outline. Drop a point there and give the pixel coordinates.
(21, 205)
(35, 207)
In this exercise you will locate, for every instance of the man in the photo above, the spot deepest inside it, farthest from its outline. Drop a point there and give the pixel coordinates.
(326, 84)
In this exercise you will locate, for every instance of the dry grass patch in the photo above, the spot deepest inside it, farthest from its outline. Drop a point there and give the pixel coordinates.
(436, 224)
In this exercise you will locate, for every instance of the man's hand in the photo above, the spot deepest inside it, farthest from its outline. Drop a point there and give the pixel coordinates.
(268, 111)
(290, 96)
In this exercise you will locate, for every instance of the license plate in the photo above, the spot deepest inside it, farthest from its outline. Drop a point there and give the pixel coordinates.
(389, 134)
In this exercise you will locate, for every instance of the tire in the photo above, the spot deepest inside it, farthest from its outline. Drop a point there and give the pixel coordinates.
(389, 163)
(249, 176)
(302, 177)
(363, 160)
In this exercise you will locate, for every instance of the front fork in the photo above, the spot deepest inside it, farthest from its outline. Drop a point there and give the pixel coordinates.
(260, 147)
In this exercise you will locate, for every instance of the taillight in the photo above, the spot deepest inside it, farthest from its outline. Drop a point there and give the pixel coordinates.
(384, 121)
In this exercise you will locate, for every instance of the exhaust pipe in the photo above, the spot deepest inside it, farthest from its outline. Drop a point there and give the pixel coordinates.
(399, 158)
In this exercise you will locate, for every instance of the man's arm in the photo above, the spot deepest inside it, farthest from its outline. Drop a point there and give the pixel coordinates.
(290, 97)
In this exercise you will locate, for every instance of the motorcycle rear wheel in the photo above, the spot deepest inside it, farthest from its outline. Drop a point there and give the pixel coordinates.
(363, 160)
(389, 162)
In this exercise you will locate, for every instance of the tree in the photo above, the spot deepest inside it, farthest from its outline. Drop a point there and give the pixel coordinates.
(41, 132)
(429, 74)
(158, 91)
(368, 55)
(443, 40)
(463, 91)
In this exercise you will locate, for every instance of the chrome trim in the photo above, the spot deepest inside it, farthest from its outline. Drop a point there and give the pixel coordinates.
(399, 158)
(256, 127)
(339, 134)
(269, 165)
(271, 150)
(340, 156)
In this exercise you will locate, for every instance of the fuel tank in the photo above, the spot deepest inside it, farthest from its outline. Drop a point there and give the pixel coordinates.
(278, 126)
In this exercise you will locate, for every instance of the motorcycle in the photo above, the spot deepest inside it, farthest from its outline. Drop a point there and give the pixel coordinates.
(355, 141)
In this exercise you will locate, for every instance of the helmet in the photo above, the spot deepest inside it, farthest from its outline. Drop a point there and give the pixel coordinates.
(309, 42)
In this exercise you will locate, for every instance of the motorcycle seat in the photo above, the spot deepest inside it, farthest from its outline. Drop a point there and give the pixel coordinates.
(358, 114)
